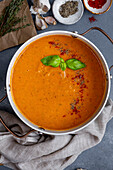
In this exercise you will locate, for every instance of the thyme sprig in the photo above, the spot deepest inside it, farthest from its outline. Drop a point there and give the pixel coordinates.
(8, 19)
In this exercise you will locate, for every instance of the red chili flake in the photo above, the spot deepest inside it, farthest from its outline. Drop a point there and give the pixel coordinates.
(56, 46)
(71, 113)
(87, 81)
(73, 78)
(74, 56)
(51, 42)
(64, 116)
(78, 58)
(96, 3)
(75, 110)
(77, 101)
(83, 86)
(63, 52)
(80, 76)
(81, 96)
(81, 91)
(92, 19)
(78, 83)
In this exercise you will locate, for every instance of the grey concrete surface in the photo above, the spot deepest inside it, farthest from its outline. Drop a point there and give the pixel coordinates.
(101, 156)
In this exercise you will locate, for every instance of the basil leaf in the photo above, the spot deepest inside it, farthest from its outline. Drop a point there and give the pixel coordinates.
(74, 64)
(62, 60)
(63, 66)
(53, 60)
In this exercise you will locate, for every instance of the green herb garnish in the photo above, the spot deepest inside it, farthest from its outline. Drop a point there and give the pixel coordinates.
(56, 61)
(62, 60)
(53, 60)
(63, 66)
(74, 64)
(8, 19)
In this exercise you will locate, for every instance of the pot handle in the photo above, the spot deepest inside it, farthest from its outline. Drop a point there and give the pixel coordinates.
(9, 129)
(14, 134)
(110, 68)
(110, 71)
(103, 32)
(4, 97)
(99, 29)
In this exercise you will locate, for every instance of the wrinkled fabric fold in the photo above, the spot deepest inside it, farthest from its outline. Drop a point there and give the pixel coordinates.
(37, 152)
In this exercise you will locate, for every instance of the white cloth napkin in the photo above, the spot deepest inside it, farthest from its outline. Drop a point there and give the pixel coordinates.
(38, 152)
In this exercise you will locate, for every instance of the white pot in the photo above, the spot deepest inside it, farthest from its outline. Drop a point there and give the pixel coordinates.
(64, 132)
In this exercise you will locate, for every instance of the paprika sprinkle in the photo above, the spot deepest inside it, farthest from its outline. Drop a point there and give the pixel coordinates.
(96, 3)
(92, 19)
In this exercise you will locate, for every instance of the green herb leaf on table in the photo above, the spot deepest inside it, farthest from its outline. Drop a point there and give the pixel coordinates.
(8, 19)
(53, 60)
(74, 64)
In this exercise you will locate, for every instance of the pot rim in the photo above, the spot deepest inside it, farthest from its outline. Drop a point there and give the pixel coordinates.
(24, 119)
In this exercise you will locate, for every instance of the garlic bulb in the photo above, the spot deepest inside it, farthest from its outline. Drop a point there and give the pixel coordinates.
(40, 6)
(40, 22)
(50, 20)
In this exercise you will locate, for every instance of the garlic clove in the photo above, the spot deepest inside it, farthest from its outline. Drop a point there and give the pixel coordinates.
(40, 22)
(41, 6)
(50, 20)
(32, 10)
(45, 8)
(44, 25)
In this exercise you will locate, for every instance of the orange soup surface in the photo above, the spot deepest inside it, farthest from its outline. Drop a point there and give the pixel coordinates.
(51, 98)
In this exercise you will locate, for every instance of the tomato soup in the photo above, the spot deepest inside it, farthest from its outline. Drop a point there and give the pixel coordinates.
(51, 98)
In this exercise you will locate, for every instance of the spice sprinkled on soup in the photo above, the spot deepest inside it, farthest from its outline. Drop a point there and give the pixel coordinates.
(57, 98)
